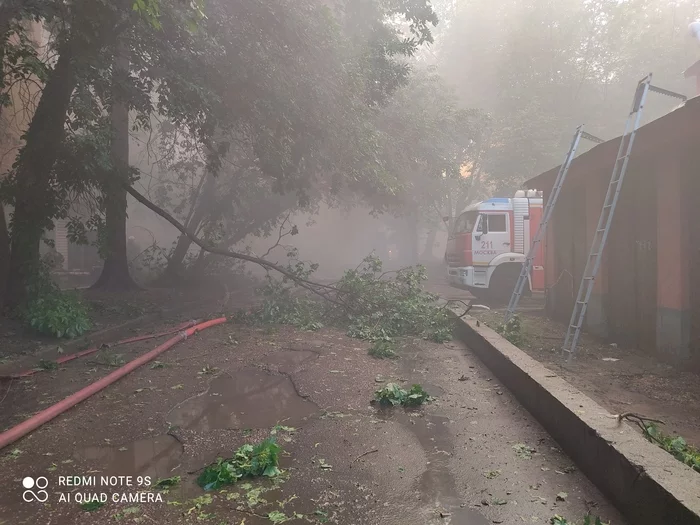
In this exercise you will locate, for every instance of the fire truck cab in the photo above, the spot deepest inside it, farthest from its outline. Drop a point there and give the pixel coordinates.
(488, 244)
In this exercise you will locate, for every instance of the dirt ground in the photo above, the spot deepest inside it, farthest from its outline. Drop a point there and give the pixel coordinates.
(114, 316)
(620, 379)
(473, 456)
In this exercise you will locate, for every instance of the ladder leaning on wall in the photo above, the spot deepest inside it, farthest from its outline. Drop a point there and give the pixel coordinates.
(544, 221)
(606, 214)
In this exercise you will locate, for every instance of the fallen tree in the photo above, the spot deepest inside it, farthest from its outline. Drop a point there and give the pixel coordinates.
(322, 290)
(371, 307)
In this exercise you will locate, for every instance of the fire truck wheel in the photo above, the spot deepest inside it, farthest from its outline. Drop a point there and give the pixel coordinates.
(503, 282)
(479, 293)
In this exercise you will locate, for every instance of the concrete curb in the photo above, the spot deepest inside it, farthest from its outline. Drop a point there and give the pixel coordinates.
(648, 485)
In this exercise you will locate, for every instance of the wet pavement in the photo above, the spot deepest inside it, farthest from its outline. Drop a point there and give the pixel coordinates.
(437, 485)
(247, 399)
(155, 457)
(455, 461)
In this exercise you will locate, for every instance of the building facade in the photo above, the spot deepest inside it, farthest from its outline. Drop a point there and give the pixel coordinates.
(647, 293)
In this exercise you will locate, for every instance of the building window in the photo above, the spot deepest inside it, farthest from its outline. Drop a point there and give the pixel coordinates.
(497, 223)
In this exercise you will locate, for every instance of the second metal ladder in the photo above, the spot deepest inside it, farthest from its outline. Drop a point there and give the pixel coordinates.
(546, 216)
(606, 214)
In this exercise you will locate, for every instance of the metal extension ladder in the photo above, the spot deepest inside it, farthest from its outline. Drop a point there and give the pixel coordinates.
(544, 221)
(606, 214)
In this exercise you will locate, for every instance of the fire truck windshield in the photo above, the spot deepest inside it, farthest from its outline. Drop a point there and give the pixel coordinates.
(465, 222)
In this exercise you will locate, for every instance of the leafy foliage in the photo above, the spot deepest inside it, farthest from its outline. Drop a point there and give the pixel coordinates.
(52, 312)
(281, 306)
(578, 62)
(512, 330)
(165, 483)
(90, 506)
(21, 64)
(380, 308)
(392, 394)
(676, 446)
(383, 350)
(249, 460)
(524, 451)
(370, 304)
(45, 364)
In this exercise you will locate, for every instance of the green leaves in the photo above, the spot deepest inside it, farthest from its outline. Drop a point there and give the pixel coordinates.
(90, 506)
(512, 330)
(384, 308)
(52, 312)
(165, 483)
(523, 451)
(383, 350)
(249, 460)
(371, 305)
(392, 394)
(277, 517)
(676, 446)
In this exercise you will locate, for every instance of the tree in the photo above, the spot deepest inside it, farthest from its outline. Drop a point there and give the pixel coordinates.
(429, 138)
(84, 35)
(87, 27)
(323, 143)
(281, 88)
(20, 70)
(541, 68)
(115, 273)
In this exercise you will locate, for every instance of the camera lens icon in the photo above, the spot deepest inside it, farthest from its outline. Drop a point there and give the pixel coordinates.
(40, 483)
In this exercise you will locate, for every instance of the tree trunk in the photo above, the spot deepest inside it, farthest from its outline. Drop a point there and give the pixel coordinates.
(427, 254)
(4, 255)
(33, 196)
(201, 264)
(175, 270)
(115, 273)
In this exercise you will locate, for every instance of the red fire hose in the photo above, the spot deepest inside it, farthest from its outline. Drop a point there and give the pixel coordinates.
(34, 422)
(83, 353)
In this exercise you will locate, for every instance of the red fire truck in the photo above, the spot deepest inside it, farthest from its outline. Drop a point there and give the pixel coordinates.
(488, 244)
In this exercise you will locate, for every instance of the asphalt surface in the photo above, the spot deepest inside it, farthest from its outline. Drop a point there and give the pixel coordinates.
(473, 456)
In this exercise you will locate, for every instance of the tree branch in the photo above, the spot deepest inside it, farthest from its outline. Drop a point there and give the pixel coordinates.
(280, 236)
(322, 290)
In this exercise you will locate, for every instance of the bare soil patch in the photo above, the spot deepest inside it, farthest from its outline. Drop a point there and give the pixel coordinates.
(620, 379)
(114, 316)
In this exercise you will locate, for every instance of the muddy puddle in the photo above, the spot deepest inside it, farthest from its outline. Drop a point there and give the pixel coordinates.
(157, 457)
(249, 398)
(436, 485)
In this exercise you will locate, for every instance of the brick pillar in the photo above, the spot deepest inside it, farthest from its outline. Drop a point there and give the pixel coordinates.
(673, 297)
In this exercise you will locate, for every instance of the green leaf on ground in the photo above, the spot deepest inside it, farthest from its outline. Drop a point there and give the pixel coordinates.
(393, 394)
(383, 350)
(277, 517)
(90, 506)
(523, 451)
(167, 482)
(261, 459)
